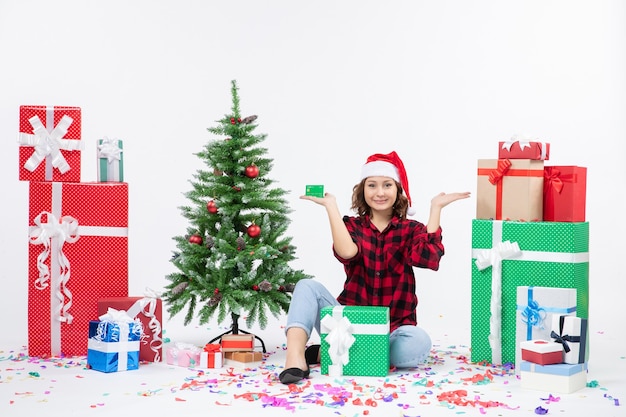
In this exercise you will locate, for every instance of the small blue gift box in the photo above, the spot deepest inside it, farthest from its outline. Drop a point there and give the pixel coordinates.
(113, 346)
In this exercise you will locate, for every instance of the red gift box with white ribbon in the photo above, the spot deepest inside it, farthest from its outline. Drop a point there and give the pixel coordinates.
(149, 310)
(522, 147)
(50, 143)
(78, 254)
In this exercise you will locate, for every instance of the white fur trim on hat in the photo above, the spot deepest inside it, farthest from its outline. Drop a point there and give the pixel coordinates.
(380, 169)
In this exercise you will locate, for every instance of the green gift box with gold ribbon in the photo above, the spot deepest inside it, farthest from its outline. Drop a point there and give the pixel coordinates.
(355, 341)
(508, 254)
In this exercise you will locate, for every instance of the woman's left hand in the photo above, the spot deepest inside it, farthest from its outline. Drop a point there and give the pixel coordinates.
(442, 199)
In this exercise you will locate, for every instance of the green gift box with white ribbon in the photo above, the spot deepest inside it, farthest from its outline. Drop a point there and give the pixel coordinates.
(509, 254)
(355, 341)
(110, 160)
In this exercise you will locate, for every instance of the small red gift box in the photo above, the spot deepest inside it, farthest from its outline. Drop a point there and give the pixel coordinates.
(523, 149)
(542, 352)
(564, 193)
(509, 189)
(78, 254)
(50, 144)
(149, 310)
(237, 342)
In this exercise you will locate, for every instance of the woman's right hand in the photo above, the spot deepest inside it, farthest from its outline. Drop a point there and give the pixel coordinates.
(322, 201)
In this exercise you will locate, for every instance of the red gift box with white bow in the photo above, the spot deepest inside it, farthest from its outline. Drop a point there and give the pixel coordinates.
(78, 254)
(50, 143)
(520, 147)
(147, 309)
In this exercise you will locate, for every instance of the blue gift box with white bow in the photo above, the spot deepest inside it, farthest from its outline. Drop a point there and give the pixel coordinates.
(113, 346)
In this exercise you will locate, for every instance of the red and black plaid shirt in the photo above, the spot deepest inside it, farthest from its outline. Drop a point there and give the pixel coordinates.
(381, 274)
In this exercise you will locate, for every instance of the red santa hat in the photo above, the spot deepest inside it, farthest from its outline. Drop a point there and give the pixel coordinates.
(388, 165)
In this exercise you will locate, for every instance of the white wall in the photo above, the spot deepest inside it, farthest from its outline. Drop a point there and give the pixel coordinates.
(332, 82)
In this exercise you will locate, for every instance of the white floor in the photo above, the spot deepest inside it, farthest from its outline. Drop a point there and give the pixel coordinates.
(64, 387)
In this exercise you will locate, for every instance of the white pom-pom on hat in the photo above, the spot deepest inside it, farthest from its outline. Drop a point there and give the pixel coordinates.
(388, 165)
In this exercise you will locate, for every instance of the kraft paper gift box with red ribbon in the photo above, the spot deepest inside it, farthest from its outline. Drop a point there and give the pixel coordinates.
(237, 342)
(509, 189)
(562, 378)
(183, 354)
(78, 254)
(243, 357)
(520, 147)
(211, 356)
(113, 344)
(572, 333)
(536, 306)
(110, 160)
(542, 352)
(564, 193)
(149, 310)
(354, 341)
(50, 143)
(510, 254)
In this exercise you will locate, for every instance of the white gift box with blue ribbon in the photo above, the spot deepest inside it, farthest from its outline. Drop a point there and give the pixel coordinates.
(536, 306)
(113, 344)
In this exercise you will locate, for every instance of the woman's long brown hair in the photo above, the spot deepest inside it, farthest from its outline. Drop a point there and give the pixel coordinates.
(359, 205)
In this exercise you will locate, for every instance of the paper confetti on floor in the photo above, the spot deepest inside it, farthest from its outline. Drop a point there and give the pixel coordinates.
(448, 384)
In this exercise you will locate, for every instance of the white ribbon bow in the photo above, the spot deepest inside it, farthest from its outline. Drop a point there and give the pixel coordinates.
(120, 334)
(139, 307)
(52, 234)
(117, 316)
(109, 148)
(48, 143)
(340, 338)
(493, 258)
(524, 142)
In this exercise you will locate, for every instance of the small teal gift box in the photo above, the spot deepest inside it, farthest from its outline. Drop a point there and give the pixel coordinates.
(355, 341)
(113, 344)
(110, 160)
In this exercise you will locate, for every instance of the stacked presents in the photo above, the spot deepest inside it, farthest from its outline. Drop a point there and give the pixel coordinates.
(530, 267)
(232, 347)
(78, 252)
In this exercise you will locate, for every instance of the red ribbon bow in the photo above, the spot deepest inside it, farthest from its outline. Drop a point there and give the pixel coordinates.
(552, 179)
(496, 175)
(212, 347)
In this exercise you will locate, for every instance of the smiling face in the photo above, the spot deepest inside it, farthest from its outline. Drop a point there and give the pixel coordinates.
(380, 193)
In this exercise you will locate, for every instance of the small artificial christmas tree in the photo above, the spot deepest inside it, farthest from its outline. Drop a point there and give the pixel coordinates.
(234, 258)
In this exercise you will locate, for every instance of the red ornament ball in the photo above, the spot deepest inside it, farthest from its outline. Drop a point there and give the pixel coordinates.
(252, 171)
(255, 287)
(216, 291)
(195, 239)
(211, 207)
(254, 230)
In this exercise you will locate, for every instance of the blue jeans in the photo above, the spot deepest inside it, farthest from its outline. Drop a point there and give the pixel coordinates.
(409, 345)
